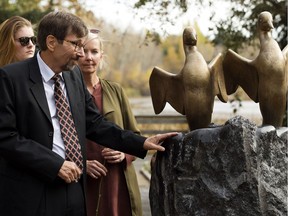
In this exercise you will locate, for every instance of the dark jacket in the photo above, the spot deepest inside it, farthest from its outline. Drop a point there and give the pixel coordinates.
(27, 161)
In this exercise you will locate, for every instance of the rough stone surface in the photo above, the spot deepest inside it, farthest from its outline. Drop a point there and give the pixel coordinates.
(232, 169)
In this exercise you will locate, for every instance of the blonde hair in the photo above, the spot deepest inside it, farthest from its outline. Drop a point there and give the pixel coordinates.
(8, 30)
(94, 35)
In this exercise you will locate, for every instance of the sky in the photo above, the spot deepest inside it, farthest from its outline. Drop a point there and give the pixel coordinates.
(121, 13)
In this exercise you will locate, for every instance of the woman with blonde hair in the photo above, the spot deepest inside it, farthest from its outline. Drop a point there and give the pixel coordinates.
(112, 187)
(17, 40)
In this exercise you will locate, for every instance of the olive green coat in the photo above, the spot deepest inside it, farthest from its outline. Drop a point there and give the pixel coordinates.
(116, 108)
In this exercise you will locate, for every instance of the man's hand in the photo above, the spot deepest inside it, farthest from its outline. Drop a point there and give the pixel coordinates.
(112, 156)
(95, 169)
(154, 142)
(69, 172)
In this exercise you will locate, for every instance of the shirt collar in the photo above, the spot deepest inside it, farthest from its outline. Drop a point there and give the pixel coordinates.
(45, 70)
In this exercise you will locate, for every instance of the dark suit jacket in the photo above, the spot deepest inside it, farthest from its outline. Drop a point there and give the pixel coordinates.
(27, 162)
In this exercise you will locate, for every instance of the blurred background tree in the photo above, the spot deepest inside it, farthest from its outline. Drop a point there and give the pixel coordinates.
(239, 27)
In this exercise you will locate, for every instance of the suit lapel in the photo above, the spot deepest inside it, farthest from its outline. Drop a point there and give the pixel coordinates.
(37, 87)
(71, 91)
(74, 99)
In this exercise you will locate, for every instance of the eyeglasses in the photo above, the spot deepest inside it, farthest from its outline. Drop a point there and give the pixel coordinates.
(24, 41)
(94, 31)
(77, 44)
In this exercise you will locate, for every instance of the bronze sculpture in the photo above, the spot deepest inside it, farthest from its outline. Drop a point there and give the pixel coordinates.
(192, 91)
(264, 79)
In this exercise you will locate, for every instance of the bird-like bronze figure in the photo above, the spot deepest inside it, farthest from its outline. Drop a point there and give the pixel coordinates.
(264, 79)
(192, 91)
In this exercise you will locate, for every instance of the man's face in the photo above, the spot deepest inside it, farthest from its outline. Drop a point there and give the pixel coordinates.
(67, 53)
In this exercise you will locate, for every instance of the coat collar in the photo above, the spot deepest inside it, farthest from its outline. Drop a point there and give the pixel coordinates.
(70, 84)
(37, 87)
(108, 107)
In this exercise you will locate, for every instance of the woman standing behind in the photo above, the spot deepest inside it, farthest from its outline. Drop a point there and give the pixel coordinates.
(112, 187)
(17, 40)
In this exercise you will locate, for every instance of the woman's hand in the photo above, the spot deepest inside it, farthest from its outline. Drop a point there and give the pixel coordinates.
(95, 169)
(112, 156)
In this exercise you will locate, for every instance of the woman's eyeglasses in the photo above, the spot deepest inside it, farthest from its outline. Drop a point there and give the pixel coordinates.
(24, 41)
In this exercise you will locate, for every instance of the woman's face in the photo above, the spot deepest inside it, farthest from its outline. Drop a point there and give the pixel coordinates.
(24, 51)
(89, 63)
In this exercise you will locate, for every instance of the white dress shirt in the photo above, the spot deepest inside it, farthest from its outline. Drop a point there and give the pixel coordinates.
(47, 74)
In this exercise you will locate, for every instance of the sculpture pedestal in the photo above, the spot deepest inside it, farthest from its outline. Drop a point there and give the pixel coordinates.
(233, 169)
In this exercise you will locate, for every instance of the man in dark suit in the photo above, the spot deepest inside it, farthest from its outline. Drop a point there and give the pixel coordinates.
(36, 178)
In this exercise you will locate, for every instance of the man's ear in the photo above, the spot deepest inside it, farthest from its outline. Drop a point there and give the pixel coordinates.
(51, 42)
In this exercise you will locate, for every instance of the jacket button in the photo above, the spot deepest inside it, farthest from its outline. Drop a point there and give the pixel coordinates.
(50, 134)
